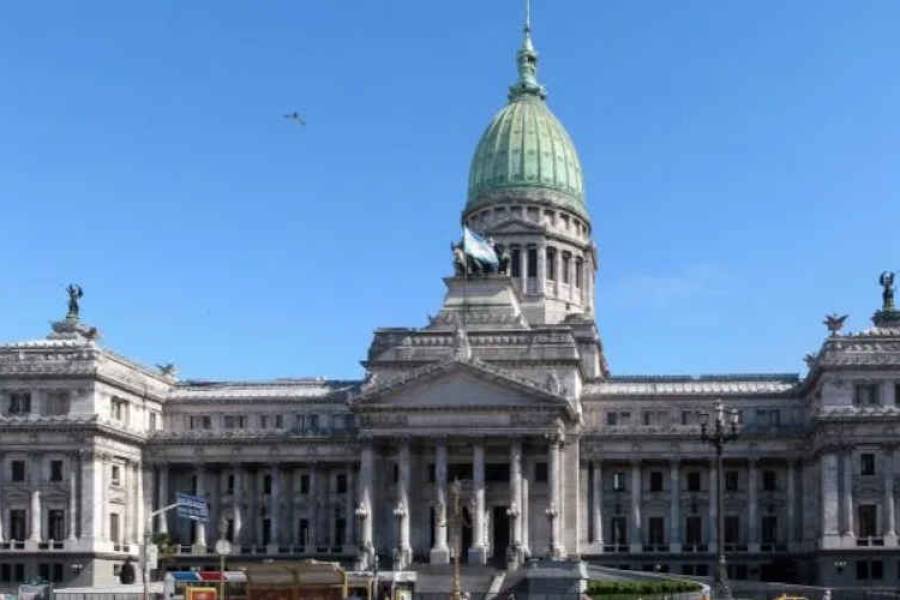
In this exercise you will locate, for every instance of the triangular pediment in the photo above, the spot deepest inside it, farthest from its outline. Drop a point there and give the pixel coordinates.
(460, 385)
(517, 225)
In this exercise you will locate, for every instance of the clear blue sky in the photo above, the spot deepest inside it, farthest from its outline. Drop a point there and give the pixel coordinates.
(742, 164)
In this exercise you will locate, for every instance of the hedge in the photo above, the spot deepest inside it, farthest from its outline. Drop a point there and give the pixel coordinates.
(643, 588)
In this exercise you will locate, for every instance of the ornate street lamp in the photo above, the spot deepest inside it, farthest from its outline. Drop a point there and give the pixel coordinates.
(721, 434)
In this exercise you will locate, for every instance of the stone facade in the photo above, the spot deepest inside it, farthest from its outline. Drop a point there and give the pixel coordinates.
(506, 389)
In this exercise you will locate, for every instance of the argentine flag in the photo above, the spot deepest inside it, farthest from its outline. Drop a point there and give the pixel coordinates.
(478, 248)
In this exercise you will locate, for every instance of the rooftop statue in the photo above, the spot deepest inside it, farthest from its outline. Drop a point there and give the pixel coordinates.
(475, 255)
(75, 294)
(834, 323)
(887, 296)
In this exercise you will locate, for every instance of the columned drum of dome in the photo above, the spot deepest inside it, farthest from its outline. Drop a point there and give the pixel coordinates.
(525, 153)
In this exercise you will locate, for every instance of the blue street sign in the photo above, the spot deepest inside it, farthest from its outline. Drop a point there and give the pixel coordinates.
(192, 507)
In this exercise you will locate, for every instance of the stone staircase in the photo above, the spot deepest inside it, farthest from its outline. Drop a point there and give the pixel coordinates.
(478, 581)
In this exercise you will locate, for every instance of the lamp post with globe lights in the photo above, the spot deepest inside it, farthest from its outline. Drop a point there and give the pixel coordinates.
(721, 431)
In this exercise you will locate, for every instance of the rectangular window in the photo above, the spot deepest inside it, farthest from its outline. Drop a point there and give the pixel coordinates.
(17, 470)
(201, 422)
(619, 481)
(266, 531)
(515, 259)
(897, 394)
(566, 262)
(866, 394)
(868, 520)
(56, 470)
(731, 481)
(341, 483)
(496, 473)
(267, 484)
(340, 530)
(57, 404)
(114, 528)
(119, 409)
(57, 574)
(579, 272)
(44, 571)
(304, 484)
(234, 421)
(229, 484)
(153, 426)
(303, 532)
(463, 471)
(862, 569)
(612, 418)
(876, 569)
(770, 480)
(657, 528)
(551, 263)
(263, 422)
(769, 529)
(20, 403)
(116, 475)
(619, 530)
(19, 572)
(312, 422)
(279, 421)
(694, 531)
(693, 481)
(867, 464)
(540, 472)
(5, 573)
(732, 529)
(656, 481)
(17, 524)
(532, 262)
(56, 524)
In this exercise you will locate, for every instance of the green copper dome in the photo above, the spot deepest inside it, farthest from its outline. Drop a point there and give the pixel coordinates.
(525, 149)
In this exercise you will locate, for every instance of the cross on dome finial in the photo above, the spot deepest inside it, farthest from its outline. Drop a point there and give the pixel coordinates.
(527, 58)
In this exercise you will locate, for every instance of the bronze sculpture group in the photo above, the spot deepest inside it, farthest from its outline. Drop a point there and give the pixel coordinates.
(466, 265)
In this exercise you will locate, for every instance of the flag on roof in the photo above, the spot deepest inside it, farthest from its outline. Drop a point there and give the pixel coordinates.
(479, 249)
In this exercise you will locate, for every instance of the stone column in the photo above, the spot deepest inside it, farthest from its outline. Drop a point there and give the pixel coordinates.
(526, 507)
(542, 268)
(674, 507)
(366, 510)
(440, 554)
(636, 529)
(753, 506)
(199, 526)
(163, 474)
(127, 505)
(889, 510)
(138, 502)
(514, 553)
(478, 552)
(313, 507)
(73, 502)
(829, 500)
(713, 488)
(36, 534)
(849, 529)
(237, 516)
(523, 268)
(274, 509)
(35, 475)
(404, 551)
(554, 482)
(598, 506)
(791, 503)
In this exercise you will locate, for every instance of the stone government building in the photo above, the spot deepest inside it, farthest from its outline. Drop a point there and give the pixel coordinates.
(506, 388)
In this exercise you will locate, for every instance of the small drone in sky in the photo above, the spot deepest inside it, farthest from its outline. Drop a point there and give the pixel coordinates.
(295, 116)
